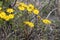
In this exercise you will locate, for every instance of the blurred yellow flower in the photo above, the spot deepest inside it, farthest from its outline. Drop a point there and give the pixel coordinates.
(30, 7)
(30, 24)
(11, 16)
(22, 4)
(46, 21)
(10, 10)
(6, 18)
(21, 8)
(0, 8)
(2, 14)
(36, 12)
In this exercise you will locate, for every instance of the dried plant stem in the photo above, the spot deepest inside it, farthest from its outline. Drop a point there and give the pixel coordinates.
(50, 12)
(28, 35)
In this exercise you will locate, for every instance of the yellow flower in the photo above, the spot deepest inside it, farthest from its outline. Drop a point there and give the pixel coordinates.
(6, 18)
(30, 24)
(2, 14)
(0, 8)
(21, 8)
(30, 7)
(11, 16)
(36, 12)
(46, 21)
(22, 4)
(10, 10)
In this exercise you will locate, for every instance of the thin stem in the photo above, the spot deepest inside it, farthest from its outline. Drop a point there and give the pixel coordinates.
(13, 4)
(50, 12)
(28, 36)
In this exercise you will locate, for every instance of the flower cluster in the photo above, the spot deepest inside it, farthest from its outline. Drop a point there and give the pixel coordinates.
(29, 8)
(5, 16)
(10, 10)
(30, 24)
(8, 13)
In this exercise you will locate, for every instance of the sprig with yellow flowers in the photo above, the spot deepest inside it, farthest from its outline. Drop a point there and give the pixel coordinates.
(3, 14)
(8, 14)
(30, 8)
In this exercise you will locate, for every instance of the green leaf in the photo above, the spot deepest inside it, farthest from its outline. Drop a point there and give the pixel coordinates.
(1, 3)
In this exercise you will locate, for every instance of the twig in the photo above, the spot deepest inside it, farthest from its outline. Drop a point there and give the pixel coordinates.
(13, 4)
(51, 12)
(9, 35)
(28, 35)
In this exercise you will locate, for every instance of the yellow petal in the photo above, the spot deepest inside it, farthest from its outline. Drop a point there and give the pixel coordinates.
(36, 12)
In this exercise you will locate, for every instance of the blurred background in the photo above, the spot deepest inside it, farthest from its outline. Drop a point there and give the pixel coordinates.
(14, 30)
